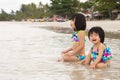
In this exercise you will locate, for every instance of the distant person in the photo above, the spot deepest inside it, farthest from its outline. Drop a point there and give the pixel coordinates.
(77, 51)
(99, 55)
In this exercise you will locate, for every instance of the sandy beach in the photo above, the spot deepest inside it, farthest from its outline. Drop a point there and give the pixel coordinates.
(109, 26)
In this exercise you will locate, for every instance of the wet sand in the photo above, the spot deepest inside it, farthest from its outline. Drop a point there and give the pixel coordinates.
(112, 28)
(109, 26)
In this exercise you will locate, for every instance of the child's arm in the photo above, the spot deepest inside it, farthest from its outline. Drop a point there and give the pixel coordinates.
(100, 54)
(69, 49)
(81, 62)
(88, 59)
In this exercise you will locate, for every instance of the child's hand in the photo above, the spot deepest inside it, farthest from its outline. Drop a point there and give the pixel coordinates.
(65, 51)
(69, 54)
(81, 62)
(93, 66)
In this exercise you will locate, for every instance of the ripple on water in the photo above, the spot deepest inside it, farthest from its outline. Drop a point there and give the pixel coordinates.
(31, 54)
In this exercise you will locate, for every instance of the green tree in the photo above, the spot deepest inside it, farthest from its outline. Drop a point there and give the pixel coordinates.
(86, 6)
(4, 16)
(19, 15)
(28, 11)
(32, 11)
(106, 6)
(42, 10)
(12, 15)
(64, 7)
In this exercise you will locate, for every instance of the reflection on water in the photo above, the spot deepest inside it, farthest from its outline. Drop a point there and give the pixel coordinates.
(28, 53)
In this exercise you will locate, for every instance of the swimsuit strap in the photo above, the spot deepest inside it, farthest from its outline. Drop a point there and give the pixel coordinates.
(94, 54)
(81, 31)
(76, 32)
(75, 37)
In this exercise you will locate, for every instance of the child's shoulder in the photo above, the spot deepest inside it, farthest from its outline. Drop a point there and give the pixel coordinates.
(82, 32)
(102, 46)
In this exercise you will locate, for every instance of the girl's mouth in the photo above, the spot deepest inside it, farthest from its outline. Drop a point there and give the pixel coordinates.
(94, 40)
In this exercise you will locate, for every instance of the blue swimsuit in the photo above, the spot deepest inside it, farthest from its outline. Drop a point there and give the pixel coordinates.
(106, 55)
(77, 40)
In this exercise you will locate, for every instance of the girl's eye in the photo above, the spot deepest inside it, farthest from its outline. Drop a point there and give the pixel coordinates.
(91, 35)
(95, 34)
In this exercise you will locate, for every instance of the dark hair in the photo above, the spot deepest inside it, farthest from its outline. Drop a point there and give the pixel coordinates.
(80, 21)
(99, 31)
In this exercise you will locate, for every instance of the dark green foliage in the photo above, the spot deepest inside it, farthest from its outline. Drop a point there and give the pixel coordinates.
(64, 7)
(4, 16)
(102, 6)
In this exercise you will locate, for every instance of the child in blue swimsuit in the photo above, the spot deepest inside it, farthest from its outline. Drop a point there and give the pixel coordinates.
(99, 55)
(77, 51)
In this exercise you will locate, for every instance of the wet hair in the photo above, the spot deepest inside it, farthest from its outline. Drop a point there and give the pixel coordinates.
(98, 30)
(80, 21)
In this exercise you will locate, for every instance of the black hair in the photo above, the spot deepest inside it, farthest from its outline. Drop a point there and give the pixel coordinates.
(99, 31)
(80, 21)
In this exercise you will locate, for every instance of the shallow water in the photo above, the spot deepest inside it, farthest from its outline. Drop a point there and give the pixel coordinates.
(30, 53)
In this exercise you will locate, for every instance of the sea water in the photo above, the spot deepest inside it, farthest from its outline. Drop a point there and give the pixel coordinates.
(28, 52)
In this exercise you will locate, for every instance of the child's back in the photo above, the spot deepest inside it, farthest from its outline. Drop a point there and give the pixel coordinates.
(77, 51)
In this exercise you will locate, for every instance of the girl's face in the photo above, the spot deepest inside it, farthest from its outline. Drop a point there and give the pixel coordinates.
(94, 38)
(72, 23)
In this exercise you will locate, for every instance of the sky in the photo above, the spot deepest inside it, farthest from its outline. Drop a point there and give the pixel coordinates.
(8, 5)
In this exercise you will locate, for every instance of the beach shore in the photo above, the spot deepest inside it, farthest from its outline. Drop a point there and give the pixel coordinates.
(112, 28)
(107, 25)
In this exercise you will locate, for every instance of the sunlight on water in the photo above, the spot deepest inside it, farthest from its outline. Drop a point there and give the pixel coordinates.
(28, 53)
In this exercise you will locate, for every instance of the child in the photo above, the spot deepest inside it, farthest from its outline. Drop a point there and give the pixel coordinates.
(99, 55)
(77, 51)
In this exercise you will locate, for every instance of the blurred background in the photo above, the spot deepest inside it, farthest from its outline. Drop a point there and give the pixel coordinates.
(58, 10)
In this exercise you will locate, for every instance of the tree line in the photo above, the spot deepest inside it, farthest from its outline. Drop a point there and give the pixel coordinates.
(62, 8)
